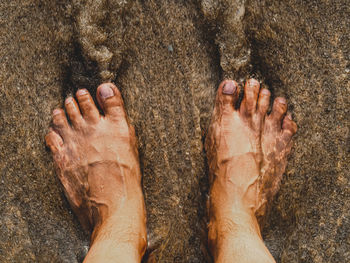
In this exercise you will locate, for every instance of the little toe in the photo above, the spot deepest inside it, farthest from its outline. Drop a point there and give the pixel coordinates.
(87, 106)
(279, 109)
(110, 100)
(289, 128)
(251, 91)
(53, 141)
(73, 112)
(227, 95)
(60, 122)
(264, 101)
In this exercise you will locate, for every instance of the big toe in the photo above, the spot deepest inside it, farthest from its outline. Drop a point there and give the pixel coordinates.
(227, 95)
(110, 100)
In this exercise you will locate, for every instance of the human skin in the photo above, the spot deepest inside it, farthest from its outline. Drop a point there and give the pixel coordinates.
(247, 153)
(97, 163)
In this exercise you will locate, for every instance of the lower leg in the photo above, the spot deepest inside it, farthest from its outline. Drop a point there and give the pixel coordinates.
(115, 240)
(120, 236)
(234, 235)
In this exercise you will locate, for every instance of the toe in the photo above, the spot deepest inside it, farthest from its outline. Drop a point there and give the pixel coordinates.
(279, 109)
(289, 128)
(60, 122)
(87, 106)
(264, 101)
(251, 91)
(73, 112)
(227, 95)
(53, 141)
(110, 100)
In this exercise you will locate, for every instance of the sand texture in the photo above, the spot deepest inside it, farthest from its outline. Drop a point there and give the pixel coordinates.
(168, 57)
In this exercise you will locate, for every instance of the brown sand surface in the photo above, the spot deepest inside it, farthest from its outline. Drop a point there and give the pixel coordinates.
(168, 57)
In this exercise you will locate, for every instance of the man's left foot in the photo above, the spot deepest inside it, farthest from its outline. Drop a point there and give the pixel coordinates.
(247, 152)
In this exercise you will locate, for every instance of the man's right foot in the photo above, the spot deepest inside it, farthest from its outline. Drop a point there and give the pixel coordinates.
(97, 162)
(247, 153)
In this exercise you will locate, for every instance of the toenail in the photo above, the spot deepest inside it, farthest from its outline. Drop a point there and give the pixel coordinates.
(289, 116)
(106, 92)
(229, 88)
(81, 92)
(282, 100)
(69, 100)
(56, 112)
(253, 82)
(265, 92)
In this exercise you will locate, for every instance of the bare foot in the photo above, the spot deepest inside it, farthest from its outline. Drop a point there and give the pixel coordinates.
(97, 163)
(247, 153)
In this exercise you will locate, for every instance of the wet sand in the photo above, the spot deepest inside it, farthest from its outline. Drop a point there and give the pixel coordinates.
(168, 58)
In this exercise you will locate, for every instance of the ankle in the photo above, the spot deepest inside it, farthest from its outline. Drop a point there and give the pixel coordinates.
(112, 249)
(123, 216)
(124, 224)
(227, 224)
(119, 233)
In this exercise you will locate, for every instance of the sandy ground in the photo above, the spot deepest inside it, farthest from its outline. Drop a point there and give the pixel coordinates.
(168, 57)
